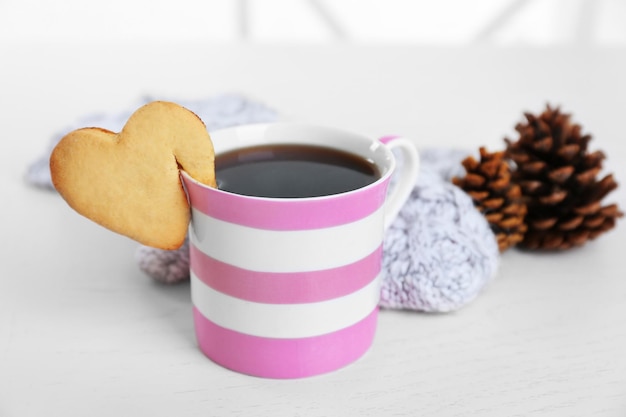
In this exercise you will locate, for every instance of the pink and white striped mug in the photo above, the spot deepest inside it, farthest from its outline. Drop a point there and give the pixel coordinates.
(289, 287)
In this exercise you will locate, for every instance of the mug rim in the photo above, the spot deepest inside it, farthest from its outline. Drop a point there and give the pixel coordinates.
(389, 156)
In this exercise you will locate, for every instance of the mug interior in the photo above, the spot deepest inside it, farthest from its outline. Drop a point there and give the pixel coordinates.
(373, 151)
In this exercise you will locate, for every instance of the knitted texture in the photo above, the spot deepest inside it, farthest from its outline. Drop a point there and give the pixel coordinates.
(445, 162)
(438, 253)
(166, 266)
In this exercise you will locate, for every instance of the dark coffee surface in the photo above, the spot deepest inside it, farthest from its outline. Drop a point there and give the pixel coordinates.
(292, 171)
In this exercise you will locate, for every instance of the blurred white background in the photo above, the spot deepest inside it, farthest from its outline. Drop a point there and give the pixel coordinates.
(442, 22)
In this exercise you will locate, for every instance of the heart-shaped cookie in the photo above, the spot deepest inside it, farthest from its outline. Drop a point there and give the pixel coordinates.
(129, 182)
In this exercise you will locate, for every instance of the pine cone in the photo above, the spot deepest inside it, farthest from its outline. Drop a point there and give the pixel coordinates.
(558, 179)
(488, 182)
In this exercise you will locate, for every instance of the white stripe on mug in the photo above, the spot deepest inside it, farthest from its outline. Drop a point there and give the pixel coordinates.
(284, 320)
(299, 250)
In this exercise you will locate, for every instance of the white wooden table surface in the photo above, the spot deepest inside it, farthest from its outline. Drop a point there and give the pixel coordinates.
(84, 332)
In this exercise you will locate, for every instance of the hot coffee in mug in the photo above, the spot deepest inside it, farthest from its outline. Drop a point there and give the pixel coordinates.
(292, 171)
(286, 253)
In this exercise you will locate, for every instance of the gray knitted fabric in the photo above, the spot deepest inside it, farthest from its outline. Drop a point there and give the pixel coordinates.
(166, 266)
(438, 254)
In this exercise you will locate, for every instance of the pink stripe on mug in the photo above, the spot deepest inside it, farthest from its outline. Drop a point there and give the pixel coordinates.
(284, 358)
(333, 323)
(285, 287)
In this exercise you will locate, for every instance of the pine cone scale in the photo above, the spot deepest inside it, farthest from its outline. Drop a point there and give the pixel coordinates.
(568, 152)
(475, 180)
(580, 237)
(588, 176)
(571, 224)
(556, 197)
(478, 195)
(493, 203)
(543, 145)
(530, 187)
(501, 184)
(561, 174)
(534, 168)
(594, 222)
(591, 208)
(494, 217)
(511, 222)
(543, 224)
(611, 211)
(605, 186)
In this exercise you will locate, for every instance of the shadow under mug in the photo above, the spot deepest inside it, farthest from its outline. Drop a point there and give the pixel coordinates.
(289, 287)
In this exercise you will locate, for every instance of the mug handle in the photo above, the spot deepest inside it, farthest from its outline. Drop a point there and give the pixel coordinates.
(407, 176)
